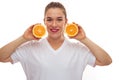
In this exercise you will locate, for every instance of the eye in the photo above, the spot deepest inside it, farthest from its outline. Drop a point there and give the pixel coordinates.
(60, 19)
(49, 19)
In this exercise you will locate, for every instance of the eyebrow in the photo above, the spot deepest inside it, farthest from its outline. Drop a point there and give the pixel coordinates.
(60, 17)
(57, 17)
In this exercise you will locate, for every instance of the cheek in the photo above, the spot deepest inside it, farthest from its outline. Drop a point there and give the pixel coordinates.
(48, 28)
(62, 28)
(47, 25)
(64, 25)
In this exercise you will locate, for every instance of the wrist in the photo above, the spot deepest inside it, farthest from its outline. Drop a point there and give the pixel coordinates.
(84, 40)
(23, 39)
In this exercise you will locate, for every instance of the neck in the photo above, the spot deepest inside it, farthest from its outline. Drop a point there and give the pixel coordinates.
(55, 40)
(55, 43)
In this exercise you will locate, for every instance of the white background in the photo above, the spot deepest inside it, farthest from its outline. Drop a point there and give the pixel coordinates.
(99, 18)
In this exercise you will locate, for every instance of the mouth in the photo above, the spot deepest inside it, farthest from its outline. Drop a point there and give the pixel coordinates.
(54, 30)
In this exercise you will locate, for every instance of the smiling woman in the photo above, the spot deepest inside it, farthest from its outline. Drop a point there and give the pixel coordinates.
(55, 56)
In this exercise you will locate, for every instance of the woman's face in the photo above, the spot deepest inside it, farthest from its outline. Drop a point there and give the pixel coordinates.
(55, 22)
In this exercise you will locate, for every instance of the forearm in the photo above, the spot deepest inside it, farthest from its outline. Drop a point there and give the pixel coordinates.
(100, 54)
(8, 49)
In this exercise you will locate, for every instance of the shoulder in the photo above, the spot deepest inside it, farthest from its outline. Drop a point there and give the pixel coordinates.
(75, 43)
(32, 43)
(77, 46)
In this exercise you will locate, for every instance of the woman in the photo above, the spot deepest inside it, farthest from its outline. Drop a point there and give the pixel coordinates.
(54, 57)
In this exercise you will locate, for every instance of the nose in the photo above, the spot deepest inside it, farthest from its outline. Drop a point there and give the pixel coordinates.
(54, 24)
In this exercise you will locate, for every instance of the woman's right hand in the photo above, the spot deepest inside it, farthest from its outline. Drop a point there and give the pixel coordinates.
(28, 35)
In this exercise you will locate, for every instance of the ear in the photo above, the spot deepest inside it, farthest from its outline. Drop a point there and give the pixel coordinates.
(66, 21)
(44, 20)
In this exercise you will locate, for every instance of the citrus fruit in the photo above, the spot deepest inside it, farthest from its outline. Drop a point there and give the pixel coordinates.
(38, 30)
(71, 29)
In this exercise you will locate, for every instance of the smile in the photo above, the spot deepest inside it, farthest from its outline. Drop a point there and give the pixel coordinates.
(54, 30)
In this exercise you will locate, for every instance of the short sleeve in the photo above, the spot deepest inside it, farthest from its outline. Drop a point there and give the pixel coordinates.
(91, 59)
(19, 53)
(14, 57)
(86, 55)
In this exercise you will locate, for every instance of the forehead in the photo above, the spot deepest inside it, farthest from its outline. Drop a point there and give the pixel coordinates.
(54, 12)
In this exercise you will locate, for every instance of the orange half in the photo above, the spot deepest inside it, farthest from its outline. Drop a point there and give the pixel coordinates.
(38, 30)
(71, 30)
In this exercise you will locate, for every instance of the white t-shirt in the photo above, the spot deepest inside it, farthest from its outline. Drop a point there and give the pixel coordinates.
(41, 62)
